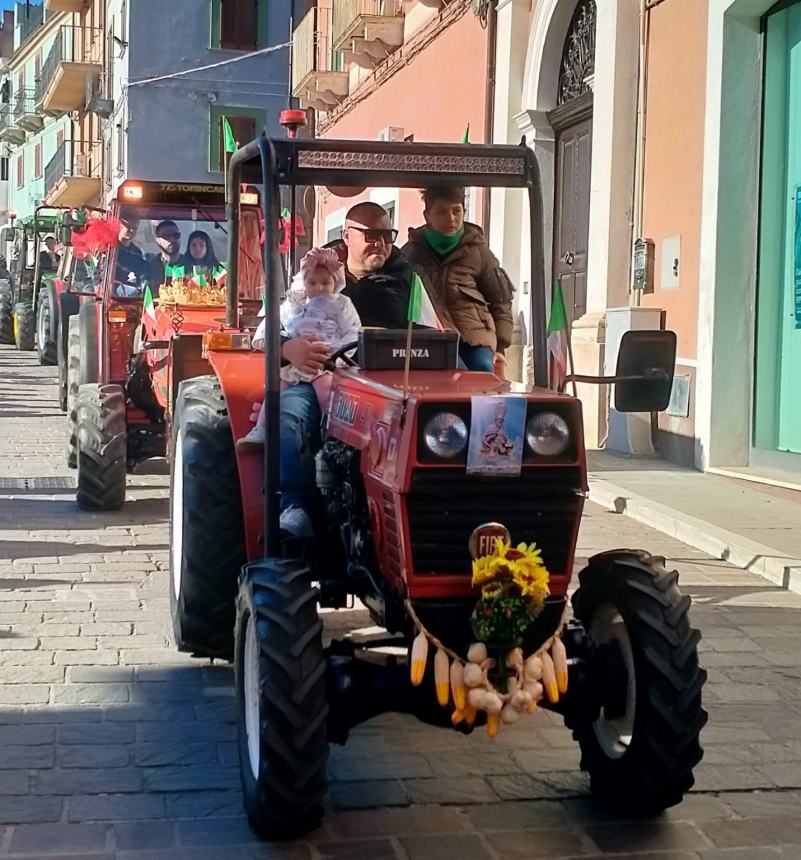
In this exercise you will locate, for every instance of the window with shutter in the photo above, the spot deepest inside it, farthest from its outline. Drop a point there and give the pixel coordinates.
(37, 161)
(4, 169)
(20, 170)
(244, 129)
(239, 24)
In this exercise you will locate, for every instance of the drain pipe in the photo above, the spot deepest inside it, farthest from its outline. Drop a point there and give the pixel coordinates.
(489, 102)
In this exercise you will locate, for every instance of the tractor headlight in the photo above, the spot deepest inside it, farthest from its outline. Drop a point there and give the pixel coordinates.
(445, 434)
(547, 434)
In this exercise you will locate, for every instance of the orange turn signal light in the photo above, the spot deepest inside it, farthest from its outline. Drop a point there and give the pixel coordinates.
(226, 341)
(118, 315)
(132, 191)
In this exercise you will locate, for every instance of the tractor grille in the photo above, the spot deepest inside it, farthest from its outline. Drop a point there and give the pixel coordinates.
(445, 505)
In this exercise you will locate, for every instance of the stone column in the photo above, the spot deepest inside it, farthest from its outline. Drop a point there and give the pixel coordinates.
(614, 121)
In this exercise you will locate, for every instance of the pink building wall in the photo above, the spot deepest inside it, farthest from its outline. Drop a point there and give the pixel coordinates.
(433, 96)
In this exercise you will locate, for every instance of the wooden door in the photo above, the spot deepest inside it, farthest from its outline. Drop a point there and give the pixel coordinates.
(572, 214)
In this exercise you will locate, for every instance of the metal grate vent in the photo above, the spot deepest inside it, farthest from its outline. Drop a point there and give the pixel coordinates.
(37, 484)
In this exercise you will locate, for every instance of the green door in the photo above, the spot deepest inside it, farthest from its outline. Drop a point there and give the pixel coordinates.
(777, 404)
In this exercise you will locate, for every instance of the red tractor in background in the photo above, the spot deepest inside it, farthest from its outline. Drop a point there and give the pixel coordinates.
(121, 375)
(405, 508)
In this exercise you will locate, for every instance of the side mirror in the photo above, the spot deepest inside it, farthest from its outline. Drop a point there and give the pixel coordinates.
(646, 362)
(65, 235)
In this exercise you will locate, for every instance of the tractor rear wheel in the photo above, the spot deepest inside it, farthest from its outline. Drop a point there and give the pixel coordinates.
(6, 312)
(24, 327)
(102, 450)
(283, 710)
(47, 326)
(640, 748)
(73, 371)
(207, 533)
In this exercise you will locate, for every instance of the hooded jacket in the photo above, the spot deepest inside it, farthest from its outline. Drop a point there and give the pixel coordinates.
(470, 290)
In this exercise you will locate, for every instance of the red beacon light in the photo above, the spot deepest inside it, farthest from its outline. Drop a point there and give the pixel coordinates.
(292, 120)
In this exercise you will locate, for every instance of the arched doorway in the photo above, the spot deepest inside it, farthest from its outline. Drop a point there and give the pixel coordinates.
(571, 121)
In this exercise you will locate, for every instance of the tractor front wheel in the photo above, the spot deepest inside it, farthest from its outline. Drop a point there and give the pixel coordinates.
(24, 327)
(6, 312)
(283, 710)
(102, 447)
(641, 746)
(47, 326)
(73, 383)
(207, 533)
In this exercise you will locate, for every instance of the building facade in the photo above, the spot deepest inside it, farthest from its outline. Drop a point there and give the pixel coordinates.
(392, 70)
(178, 68)
(675, 123)
(49, 126)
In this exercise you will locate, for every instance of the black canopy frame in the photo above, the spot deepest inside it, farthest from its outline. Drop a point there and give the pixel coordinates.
(272, 163)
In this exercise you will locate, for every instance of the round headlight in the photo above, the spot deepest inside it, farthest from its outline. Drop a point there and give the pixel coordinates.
(547, 434)
(445, 434)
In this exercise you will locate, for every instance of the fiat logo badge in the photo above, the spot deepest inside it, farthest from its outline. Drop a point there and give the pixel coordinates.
(482, 541)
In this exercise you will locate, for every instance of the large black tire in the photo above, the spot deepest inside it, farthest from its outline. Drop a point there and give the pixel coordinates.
(24, 327)
(640, 758)
(89, 367)
(73, 384)
(6, 312)
(207, 533)
(283, 710)
(47, 325)
(102, 455)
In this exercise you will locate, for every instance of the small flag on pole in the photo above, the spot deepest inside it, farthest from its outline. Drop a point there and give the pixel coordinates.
(228, 134)
(557, 338)
(150, 308)
(421, 309)
(466, 135)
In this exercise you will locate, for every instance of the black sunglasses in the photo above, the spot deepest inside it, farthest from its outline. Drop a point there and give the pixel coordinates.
(373, 234)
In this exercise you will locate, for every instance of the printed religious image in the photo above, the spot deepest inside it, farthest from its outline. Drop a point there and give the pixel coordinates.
(497, 429)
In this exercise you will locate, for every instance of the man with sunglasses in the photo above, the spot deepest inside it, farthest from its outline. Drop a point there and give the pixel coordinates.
(379, 284)
(168, 239)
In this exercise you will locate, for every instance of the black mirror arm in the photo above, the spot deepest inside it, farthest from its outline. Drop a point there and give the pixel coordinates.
(649, 374)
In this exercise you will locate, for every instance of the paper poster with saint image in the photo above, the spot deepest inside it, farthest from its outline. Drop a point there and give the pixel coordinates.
(497, 429)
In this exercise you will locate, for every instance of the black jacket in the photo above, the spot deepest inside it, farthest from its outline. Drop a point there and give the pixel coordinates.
(382, 298)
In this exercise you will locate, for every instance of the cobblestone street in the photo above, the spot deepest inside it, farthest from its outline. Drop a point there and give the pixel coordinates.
(112, 745)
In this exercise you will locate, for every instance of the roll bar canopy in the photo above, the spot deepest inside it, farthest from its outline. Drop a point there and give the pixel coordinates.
(364, 164)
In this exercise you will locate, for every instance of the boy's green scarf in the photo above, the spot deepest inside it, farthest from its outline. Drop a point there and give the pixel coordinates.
(441, 243)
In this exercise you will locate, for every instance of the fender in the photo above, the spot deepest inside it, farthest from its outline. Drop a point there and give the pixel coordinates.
(241, 376)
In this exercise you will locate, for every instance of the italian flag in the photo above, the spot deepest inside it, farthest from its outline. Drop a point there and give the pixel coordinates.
(557, 339)
(421, 310)
(150, 308)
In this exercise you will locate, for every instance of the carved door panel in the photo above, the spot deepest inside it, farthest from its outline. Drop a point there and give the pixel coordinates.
(572, 215)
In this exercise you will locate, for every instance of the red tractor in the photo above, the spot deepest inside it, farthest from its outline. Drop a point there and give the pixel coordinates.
(122, 362)
(407, 502)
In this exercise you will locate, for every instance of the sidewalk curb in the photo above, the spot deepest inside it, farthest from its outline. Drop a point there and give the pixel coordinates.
(757, 558)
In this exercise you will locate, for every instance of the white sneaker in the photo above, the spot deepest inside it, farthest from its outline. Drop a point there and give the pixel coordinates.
(253, 441)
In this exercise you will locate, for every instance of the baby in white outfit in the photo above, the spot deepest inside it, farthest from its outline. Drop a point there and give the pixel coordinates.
(314, 308)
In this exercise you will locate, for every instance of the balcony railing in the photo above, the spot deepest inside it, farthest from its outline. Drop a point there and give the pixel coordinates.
(9, 133)
(72, 176)
(76, 53)
(25, 114)
(317, 79)
(365, 22)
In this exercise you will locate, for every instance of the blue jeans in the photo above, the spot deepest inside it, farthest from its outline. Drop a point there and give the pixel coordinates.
(477, 357)
(300, 441)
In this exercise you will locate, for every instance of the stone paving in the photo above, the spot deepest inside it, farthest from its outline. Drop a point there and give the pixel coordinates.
(112, 745)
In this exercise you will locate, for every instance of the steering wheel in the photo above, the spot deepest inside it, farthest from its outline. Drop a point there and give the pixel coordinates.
(331, 361)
